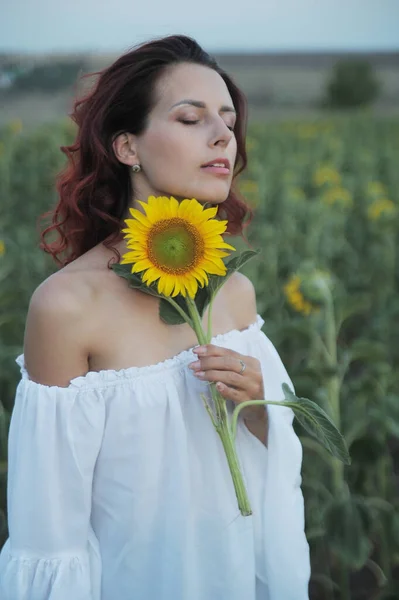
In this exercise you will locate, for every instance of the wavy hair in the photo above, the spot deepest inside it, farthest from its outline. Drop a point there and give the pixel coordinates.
(94, 188)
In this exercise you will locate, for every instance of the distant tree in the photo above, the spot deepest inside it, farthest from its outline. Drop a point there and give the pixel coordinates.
(352, 83)
(48, 77)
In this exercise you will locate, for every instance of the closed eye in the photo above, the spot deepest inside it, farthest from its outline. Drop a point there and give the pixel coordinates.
(188, 122)
(194, 122)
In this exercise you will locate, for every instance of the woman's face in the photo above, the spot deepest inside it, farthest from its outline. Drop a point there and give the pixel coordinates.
(190, 125)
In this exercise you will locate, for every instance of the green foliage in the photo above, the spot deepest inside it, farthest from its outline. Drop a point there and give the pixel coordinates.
(49, 77)
(318, 424)
(352, 84)
(326, 199)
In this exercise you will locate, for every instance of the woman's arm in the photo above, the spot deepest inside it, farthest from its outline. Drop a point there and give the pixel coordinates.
(55, 436)
(56, 343)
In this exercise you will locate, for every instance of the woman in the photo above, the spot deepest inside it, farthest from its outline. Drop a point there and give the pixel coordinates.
(118, 485)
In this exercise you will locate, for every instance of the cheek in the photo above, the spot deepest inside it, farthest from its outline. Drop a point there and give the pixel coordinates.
(170, 161)
(167, 147)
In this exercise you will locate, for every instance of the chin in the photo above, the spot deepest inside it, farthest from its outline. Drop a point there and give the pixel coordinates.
(216, 196)
(212, 195)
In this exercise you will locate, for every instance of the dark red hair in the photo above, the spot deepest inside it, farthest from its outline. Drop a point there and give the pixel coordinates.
(95, 188)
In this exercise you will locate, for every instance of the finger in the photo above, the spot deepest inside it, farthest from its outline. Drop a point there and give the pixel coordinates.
(251, 413)
(212, 350)
(219, 363)
(227, 377)
(230, 393)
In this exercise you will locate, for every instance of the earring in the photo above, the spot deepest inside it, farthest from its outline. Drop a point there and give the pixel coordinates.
(136, 168)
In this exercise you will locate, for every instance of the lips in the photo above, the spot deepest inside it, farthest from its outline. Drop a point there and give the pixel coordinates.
(218, 162)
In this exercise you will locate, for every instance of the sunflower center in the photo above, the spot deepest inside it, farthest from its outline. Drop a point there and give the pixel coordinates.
(174, 245)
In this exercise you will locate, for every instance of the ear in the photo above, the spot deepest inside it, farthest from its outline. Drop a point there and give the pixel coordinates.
(124, 146)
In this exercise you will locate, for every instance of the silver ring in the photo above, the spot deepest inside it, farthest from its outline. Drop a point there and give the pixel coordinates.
(243, 366)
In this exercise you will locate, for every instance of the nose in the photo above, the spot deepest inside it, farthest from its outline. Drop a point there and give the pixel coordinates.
(222, 134)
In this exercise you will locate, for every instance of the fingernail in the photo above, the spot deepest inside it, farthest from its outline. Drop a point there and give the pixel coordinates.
(199, 373)
(200, 350)
(195, 365)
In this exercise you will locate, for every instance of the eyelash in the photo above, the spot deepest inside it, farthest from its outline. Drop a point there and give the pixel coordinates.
(194, 122)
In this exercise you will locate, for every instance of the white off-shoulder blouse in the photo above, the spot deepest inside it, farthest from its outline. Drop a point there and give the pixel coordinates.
(119, 489)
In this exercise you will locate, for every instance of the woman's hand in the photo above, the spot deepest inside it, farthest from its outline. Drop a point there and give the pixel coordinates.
(223, 365)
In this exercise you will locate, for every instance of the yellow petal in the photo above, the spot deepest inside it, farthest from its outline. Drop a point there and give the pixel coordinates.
(169, 285)
(203, 277)
(194, 211)
(215, 253)
(200, 276)
(151, 275)
(140, 217)
(209, 213)
(184, 208)
(214, 228)
(179, 289)
(191, 285)
(141, 265)
(214, 268)
(128, 258)
(216, 244)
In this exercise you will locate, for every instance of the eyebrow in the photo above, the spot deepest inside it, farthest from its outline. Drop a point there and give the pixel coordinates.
(199, 104)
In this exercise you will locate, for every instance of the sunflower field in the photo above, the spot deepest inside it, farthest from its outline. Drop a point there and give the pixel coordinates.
(326, 199)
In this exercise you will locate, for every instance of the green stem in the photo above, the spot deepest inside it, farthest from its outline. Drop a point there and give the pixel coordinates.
(383, 474)
(180, 311)
(344, 587)
(320, 345)
(333, 387)
(209, 410)
(196, 320)
(385, 554)
(209, 332)
(221, 422)
(294, 405)
(238, 409)
(232, 459)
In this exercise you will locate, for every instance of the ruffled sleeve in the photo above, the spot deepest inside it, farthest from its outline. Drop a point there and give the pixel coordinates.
(285, 564)
(55, 436)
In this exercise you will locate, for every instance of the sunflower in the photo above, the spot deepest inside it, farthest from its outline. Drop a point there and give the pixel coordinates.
(178, 244)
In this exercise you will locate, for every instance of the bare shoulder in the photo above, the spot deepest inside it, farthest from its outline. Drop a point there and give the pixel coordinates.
(241, 295)
(55, 344)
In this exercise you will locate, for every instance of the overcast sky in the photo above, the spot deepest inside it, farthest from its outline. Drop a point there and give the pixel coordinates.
(245, 25)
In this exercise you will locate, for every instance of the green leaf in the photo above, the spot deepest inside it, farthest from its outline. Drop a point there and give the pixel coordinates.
(3, 430)
(392, 427)
(171, 316)
(316, 487)
(378, 504)
(345, 532)
(368, 350)
(358, 428)
(314, 533)
(318, 424)
(134, 280)
(168, 313)
(394, 529)
(353, 305)
(378, 573)
(232, 265)
(326, 582)
(367, 449)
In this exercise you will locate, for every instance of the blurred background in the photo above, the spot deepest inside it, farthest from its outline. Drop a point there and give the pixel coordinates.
(322, 82)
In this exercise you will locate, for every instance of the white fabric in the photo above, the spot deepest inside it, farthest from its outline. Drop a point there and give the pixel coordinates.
(118, 488)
